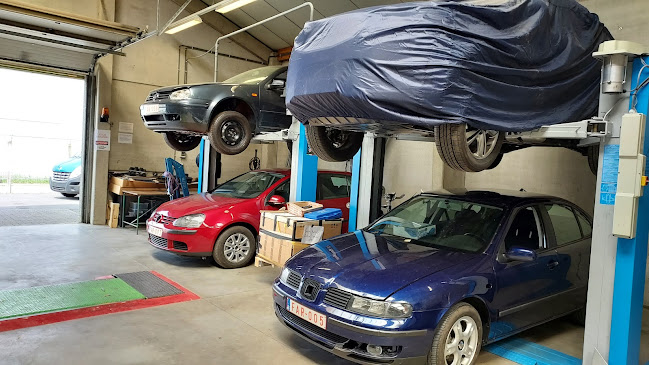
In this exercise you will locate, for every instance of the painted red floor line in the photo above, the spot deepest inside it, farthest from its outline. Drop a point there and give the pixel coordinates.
(49, 318)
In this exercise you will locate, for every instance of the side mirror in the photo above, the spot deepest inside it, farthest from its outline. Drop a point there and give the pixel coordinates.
(276, 201)
(276, 84)
(520, 254)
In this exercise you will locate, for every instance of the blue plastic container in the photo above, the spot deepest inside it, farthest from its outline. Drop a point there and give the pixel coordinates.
(326, 213)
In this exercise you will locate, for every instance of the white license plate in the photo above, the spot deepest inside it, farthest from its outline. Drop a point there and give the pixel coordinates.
(306, 314)
(155, 231)
(151, 109)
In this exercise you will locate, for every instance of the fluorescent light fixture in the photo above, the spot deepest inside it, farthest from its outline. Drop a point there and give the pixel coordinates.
(228, 5)
(183, 24)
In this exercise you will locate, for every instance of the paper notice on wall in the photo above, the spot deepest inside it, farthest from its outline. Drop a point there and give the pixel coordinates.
(125, 127)
(126, 138)
(102, 140)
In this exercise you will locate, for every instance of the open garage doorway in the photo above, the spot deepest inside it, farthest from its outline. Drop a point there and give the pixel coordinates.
(41, 124)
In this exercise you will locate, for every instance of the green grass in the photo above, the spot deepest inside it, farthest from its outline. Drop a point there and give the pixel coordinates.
(20, 179)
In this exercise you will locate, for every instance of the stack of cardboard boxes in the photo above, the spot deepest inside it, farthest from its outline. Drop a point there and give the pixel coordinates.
(282, 233)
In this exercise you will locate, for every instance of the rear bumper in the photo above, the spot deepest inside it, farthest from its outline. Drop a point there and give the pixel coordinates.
(71, 186)
(341, 338)
(182, 116)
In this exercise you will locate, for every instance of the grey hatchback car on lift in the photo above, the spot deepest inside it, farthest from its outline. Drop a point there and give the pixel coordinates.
(229, 112)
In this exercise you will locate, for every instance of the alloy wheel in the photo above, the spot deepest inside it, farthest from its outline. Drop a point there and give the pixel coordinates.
(480, 142)
(461, 342)
(236, 247)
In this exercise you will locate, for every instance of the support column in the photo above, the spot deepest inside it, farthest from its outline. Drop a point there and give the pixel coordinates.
(444, 177)
(631, 258)
(304, 169)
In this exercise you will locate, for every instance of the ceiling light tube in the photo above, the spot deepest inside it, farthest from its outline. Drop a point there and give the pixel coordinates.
(183, 24)
(229, 5)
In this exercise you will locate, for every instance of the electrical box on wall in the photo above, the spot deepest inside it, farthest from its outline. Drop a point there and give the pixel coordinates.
(630, 175)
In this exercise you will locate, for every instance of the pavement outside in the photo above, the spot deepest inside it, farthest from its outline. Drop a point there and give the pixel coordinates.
(24, 209)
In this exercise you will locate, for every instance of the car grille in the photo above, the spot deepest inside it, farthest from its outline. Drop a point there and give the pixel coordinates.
(310, 289)
(294, 280)
(181, 246)
(310, 327)
(60, 176)
(159, 218)
(337, 298)
(159, 95)
(158, 241)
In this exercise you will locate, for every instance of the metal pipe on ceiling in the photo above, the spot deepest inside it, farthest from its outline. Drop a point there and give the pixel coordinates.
(216, 44)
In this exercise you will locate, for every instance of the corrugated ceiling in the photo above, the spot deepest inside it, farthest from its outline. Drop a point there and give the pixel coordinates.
(281, 32)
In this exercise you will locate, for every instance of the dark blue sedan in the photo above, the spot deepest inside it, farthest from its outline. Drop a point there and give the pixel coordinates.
(439, 277)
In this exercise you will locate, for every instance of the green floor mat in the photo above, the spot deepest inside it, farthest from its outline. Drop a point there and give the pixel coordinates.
(53, 298)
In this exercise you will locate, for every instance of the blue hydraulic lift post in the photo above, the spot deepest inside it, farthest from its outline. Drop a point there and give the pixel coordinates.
(307, 167)
(631, 258)
(353, 196)
(200, 165)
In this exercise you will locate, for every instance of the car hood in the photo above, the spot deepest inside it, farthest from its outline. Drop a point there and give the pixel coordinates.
(183, 86)
(373, 265)
(68, 165)
(195, 204)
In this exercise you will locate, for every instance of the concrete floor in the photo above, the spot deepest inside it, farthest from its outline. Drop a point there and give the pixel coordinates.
(232, 323)
(37, 209)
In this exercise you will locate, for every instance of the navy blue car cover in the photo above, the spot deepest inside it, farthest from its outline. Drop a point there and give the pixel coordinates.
(509, 65)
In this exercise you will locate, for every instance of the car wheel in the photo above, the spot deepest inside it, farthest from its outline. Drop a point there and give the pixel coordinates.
(331, 144)
(68, 195)
(592, 152)
(230, 133)
(181, 142)
(458, 337)
(468, 149)
(234, 248)
(579, 316)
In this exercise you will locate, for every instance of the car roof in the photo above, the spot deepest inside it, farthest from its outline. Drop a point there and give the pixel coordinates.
(287, 172)
(498, 198)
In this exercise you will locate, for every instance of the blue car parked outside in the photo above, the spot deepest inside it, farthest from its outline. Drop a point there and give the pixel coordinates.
(66, 177)
(438, 277)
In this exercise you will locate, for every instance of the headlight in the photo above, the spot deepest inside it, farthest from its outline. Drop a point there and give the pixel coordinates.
(76, 172)
(190, 221)
(181, 94)
(380, 308)
(283, 277)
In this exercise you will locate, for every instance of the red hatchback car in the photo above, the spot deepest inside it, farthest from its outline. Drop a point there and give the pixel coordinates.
(224, 223)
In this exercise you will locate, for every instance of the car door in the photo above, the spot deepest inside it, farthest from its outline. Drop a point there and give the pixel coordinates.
(272, 105)
(333, 191)
(570, 231)
(522, 287)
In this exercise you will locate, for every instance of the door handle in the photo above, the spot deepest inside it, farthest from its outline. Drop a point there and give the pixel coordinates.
(552, 264)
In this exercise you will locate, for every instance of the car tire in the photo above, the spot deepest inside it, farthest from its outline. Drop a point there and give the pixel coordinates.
(454, 328)
(331, 144)
(579, 316)
(234, 248)
(69, 195)
(181, 142)
(230, 133)
(592, 152)
(463, 151)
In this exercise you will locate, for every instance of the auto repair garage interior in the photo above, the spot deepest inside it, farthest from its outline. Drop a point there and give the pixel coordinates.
(338, 181)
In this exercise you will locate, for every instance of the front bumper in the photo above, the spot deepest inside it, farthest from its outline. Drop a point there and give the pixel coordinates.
(182, 241)
(343, 339)
(70, 186)
(177, 116)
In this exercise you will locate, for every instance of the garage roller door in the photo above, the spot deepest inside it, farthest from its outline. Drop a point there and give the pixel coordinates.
(38, 38)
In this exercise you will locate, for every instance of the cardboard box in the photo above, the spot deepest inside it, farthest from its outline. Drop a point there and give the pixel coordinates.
(299, 208)
(276, 249)
(112, 215)
(291, 226)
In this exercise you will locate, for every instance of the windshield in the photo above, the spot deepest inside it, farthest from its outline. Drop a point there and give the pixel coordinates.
(252, 77)
(441, 223)
(248, 185)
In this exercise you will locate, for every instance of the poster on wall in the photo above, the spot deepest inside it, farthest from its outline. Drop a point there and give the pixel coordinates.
(102, 140)
(125, 138)
(126, 127)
